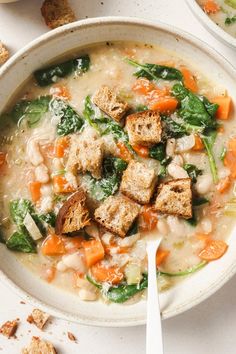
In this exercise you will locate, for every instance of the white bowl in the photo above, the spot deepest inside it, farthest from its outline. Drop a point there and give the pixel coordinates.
(190, 291)
(207, 22)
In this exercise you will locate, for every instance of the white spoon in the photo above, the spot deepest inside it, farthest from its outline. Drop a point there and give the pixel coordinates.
(154, 343)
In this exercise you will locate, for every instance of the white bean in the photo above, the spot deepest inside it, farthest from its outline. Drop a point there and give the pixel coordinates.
(57, 164)
(71, 179)
(128, 241)
(87, 295)
(185, 143)
(34, 153)
(92, 230)
(107, 238)
(176, 171)
(75, 261)
(176, 226)
(204, 184)
(41, 173)
(46, 190)
(178, 160)
(223, 172)
(61, 267)
(162, 226)
(170, 147)
(206, 225)
(46, 204)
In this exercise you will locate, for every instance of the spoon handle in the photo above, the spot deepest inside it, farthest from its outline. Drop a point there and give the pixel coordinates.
(154, 343)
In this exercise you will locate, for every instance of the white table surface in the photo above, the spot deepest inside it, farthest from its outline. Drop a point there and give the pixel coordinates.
(209, 327)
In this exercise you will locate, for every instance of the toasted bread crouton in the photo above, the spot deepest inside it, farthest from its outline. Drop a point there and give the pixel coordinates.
(39, 346)
(138, 182)
(85, 155)
(57, 13)
(144, 128)
(108, 102)
(73, 215)
(117, 214)
(175, 198)
(39, 318)
(4, 53)
(8, 329)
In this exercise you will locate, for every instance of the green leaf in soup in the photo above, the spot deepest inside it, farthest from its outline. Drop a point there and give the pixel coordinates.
(133, 229)
(49, 218)
(21, 241)
(70, 121)
(89, 114)
(192, 171)
(158, 151)
(155, 71)
(230, 20)
(18, 210)
(173, 129)
(198, 201)
(141, 108)
(231, 3)
(209, 141)
(52, 74)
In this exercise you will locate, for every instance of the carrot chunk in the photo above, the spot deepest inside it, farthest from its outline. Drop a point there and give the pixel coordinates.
(102, 273)
(164, 104)
(161, 256)
(35, 190)
(2, 158)
(61, 145)
(49, 273)
(148, 218)
(223, 185)
(53, 245)
(213, 250)
(230, 157)
(60, 91)
(61, 185)
(124, 152)
(211, 7)
(141, 150)
(93, 251)
(198, 145)
(143, 86)
(223, 111)
(189, 80)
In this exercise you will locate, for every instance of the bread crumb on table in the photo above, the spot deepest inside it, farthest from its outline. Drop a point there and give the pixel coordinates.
(4, 53)
(9, 328)
(39, 346)
(57, 13)
(71, 336)
(39, 318)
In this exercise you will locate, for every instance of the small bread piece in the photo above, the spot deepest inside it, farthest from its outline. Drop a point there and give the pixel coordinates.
(39, 318)
(138, 182)
(4, 53)
(85, 155)
(57, 13)
(117, 214)
(109, 103)
(73, 215)
(175, 198)
(144, 128)
(39, 346)
(8, 329)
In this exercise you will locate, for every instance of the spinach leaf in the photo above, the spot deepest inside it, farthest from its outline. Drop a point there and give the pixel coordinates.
(53, 73)
(223, 153)
(155, 71)
(198, 201)
(192, 171)
(230, 20)
(31, 111)
(133, 229)
(141, 108)
(70, 121)
(158, 152)
(21, 241)
(193, 220)
(209, 141)
(89, 114)
(49, 218)
(110, 182)
(111, 127)
(173, 129)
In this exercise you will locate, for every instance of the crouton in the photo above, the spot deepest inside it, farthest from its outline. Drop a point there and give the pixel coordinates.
(39, 318)
(73, 215)
(116, 214)
(109, 103)
(8, 329)
(39, 346)
(138, 182)
(144, 128)
(175, 198)
(4, 53)
(85, 155)
(57, 13)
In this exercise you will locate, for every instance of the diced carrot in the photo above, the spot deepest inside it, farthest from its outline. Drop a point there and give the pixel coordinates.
(223, 185)
(94, 252)
(74, 244)
(230, 162)
(203, 236)
(34, 188)
(213, 250)
(198, 145)
(53, 245)
(61, 185)
(164, 104)
(189, 80)
(124, 152)
(143, 86)
(141, 150)
(102, 273)
(232, 146)
(155, 94)
(211, 7)
(225, 103)
(2, 158)
(148, 218)
(60, 91)
(61, 144)
(48, 150)
(49, 273)
(161, 256)
(114, 248)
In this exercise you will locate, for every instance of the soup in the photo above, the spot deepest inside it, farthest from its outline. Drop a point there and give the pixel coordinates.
(119, 143)
(222, 12)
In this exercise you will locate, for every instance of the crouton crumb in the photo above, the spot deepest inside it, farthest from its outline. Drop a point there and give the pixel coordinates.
(57, 13)
(9, 328)
(39, 346)
(4, 53)
(71, 336)
(39, 318)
